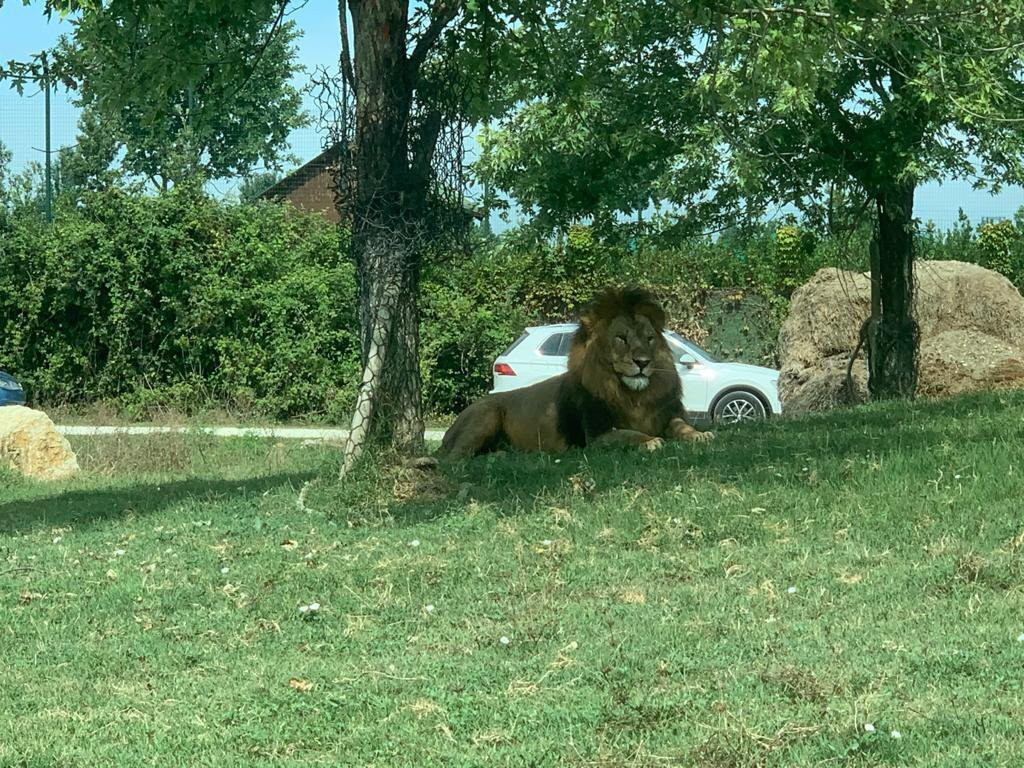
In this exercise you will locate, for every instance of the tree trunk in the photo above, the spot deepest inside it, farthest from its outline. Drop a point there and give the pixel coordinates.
(893, 332)
(386, 233)
(388, 406)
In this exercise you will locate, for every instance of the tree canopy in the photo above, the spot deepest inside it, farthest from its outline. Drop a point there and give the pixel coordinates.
(748, 104)
(228, 111)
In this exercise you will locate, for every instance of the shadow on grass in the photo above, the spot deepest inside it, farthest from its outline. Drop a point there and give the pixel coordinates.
(85, 506)
(757, 456)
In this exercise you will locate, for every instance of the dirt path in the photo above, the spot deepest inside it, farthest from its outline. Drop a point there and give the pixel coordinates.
(284, 433)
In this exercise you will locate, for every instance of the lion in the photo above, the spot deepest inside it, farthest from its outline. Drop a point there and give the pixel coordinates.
(621, 387)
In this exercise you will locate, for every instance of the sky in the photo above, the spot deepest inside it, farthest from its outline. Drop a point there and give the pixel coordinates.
(24, 30)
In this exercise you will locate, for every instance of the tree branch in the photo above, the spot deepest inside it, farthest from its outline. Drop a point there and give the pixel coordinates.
(444, 13)
(423, 150)
(274, 29)
(346, 56)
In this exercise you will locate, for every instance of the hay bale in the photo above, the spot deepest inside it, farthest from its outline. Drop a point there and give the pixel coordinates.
(971, 322)
(956, 362)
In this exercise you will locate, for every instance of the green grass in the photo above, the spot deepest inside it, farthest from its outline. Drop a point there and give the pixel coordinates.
(754, 602)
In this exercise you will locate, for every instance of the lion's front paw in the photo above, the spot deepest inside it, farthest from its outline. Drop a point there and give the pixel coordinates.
(702, 437)
(653, 444)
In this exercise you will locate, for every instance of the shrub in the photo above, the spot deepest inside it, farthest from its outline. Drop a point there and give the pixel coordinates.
(999, 248)
(177, 300)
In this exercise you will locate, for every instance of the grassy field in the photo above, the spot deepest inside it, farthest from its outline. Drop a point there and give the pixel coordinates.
(844, 590)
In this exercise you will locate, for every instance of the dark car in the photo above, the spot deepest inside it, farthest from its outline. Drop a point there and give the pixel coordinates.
(11, 392)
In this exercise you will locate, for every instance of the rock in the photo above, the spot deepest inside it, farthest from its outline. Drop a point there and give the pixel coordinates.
(971, 322)
(32, 446)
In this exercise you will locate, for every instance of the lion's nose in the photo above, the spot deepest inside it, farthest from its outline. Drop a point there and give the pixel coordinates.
(641, 362)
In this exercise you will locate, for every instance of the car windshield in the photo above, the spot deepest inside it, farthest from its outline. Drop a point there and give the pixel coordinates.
(689, 346)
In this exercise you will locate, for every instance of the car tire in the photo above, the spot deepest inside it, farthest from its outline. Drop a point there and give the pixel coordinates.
(738, 407)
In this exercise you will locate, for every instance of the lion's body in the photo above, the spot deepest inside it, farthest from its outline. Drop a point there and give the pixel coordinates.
(621, 386)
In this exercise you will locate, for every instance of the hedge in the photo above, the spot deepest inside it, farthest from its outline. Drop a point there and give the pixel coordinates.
(179, 301)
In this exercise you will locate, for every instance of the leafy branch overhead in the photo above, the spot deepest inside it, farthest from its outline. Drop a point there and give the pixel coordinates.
(633, 102)
(188, 88)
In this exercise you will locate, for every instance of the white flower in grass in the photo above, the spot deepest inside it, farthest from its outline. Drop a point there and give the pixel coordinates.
(310, 609)
(792, 590)
(546, 542)
(57, 539)
(429, 607)
(869, 727)
(118, 553)
(1020, 637)
(414, 543)
(225, 569)
(504, 640)
(896, 734)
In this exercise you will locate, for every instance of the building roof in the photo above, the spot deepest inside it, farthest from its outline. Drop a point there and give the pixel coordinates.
(318, 165)
(302, 174)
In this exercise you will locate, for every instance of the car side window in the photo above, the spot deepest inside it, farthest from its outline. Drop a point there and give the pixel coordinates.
(554, 344)
(563, 348)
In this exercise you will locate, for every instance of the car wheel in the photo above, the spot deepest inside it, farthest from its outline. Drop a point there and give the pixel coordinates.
(737, 407)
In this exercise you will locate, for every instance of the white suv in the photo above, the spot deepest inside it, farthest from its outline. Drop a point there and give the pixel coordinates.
(713, 392)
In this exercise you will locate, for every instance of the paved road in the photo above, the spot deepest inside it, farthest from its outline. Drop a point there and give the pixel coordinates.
(284, 433)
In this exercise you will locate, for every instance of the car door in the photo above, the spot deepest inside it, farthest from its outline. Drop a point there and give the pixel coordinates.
(549, 358)
(695, 380)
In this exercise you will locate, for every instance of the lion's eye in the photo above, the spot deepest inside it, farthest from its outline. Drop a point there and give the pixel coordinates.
(621, 338)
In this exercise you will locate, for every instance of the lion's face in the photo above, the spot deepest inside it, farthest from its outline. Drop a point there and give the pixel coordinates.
(631, 343)
(620, 338)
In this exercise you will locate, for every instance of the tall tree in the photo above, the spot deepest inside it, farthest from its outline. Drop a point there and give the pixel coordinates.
(610, 118)
(415, 73)
(391, 168)
(227, 109)
(412, 71)
(880, 96)
(89, 162)
(790, 99)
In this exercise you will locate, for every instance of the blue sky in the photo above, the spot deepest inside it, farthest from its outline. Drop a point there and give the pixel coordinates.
(24, 30)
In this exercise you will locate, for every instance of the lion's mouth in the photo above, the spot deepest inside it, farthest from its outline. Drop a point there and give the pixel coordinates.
(636, 382)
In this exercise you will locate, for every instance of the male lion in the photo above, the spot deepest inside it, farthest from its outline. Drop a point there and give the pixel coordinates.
(621, 387)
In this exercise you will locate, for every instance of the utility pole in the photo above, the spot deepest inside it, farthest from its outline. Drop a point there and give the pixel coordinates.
(49, 164)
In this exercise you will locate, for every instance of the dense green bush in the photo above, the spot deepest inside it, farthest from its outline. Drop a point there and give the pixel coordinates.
(468, 316)
(179, 301)
(176, 300)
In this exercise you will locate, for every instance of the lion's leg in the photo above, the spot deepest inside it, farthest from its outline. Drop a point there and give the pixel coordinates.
(474, 429)
(678, 429)
(628, 437)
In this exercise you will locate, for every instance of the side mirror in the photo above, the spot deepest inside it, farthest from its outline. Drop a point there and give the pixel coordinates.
(687, 360)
